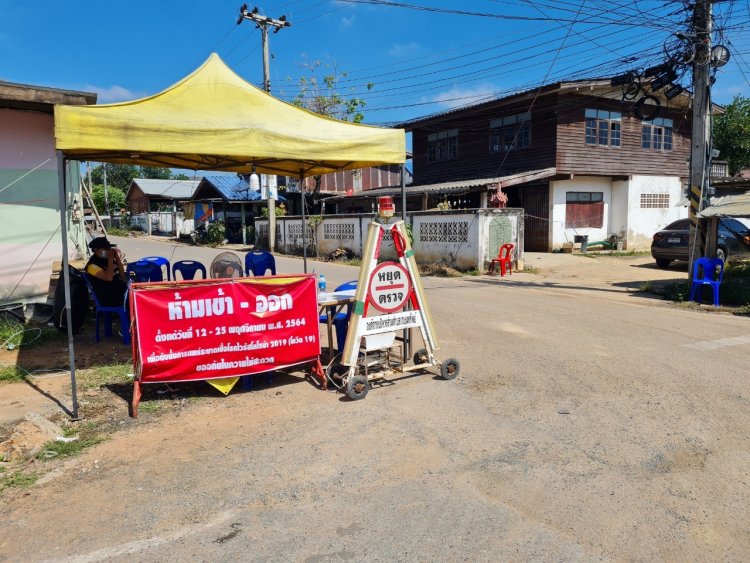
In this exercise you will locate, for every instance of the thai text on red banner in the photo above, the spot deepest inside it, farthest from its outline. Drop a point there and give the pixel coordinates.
(223, 328)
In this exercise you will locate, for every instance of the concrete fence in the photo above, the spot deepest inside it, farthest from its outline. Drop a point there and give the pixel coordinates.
(464, 239)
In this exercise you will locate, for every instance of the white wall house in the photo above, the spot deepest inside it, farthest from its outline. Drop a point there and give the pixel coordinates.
(29, 203)
(597, 206)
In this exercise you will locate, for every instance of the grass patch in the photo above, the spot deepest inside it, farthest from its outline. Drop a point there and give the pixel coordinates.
(14, 333)
(529, 270)
(438, 270)
(118, 232)
(89, 434)
(17, 479)
(11, 372)
(93, 378)
(646, 287)
(353, 262)
(54, 449)
(677, 292)
(149, 406)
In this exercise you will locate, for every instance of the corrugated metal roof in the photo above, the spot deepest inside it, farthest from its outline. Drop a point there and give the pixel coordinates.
(173, 189)
(456, 186)
(728, 206)
(233, 188)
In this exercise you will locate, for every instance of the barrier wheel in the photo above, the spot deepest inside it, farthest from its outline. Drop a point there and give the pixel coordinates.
(357, 387)
(335, 373)
(450, 368)
(421, 356)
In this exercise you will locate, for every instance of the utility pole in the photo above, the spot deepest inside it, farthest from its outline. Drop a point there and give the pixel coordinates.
(263, 23)
(701, 133)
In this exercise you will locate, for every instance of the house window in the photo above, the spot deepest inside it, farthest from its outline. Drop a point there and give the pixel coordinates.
(654, 201)
(510, 132)
(657, 134)
(584, 209)
(442, 146)
(603, 127)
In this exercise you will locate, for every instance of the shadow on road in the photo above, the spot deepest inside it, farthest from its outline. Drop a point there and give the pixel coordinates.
(630, 288)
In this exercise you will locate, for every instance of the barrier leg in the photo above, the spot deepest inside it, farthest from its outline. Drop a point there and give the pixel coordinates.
(136, 398)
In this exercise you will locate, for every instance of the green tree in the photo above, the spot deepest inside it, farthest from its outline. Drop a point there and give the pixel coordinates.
(731, 134)
(322, 94)
(155, 173)
(116, 198)
(118, 175)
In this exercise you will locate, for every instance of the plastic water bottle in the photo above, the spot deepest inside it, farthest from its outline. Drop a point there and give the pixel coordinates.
(321, 286)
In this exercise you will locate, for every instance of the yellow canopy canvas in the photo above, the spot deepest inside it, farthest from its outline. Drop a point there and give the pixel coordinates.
(215, 120)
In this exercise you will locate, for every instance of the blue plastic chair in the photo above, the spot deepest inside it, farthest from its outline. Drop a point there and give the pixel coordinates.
(107, 312)
(188, 269)
(160, 261)
(258, 262)
(341, 320)
(144, 271)
(706, 271)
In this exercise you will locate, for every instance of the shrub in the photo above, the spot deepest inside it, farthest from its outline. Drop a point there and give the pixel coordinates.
(216, 233)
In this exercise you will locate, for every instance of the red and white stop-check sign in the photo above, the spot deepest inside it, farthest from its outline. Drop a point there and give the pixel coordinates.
(389, 287)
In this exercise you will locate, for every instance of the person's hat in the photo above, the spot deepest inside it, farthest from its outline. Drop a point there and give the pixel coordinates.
(100, 242)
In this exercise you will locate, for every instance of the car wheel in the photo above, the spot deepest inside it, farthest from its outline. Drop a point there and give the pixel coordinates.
(663, 262)
(721, 253)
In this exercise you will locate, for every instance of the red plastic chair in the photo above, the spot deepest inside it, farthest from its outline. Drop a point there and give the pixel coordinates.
(504, 258)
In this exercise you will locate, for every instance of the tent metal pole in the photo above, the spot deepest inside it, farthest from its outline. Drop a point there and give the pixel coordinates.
(244, 229)
(304, 226)
(65, 273)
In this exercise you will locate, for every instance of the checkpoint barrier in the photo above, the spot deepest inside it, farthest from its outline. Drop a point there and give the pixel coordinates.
(224, 328)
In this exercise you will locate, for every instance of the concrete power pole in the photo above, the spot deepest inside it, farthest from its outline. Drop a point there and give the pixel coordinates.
(701, 132)
(263, 23)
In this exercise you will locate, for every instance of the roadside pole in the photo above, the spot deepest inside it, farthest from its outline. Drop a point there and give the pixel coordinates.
(701, 133)
(263, 23)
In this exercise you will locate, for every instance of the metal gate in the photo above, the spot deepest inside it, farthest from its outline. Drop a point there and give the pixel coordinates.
(162, 223)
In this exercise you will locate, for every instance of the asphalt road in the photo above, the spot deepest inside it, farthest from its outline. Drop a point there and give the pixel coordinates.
(588, 423)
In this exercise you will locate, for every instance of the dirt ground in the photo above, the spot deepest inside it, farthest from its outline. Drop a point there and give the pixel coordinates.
(585, 425)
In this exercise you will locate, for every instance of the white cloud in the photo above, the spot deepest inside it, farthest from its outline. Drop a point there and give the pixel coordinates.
(346, 23)
(112, 94)
(404, 50)
(457, 96)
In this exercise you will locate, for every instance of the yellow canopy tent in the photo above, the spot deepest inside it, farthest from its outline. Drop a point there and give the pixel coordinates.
(214, 120)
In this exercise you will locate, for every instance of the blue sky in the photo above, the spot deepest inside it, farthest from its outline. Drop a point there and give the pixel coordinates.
(419, 62)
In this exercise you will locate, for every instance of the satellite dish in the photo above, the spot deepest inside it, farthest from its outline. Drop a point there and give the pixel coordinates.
(226, 265)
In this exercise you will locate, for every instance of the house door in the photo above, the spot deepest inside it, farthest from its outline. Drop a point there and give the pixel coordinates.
(535, 203)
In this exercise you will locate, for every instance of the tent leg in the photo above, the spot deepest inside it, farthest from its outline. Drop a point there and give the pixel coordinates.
(304, 226)
(244, 230)
(61, 183)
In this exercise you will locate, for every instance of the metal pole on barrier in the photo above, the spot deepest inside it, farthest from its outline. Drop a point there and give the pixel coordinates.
(304, 227)
(65, 274)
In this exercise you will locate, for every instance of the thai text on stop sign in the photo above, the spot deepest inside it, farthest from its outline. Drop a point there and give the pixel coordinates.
(389, 287)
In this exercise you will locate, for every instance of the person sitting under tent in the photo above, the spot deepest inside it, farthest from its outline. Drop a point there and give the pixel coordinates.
(106, 273)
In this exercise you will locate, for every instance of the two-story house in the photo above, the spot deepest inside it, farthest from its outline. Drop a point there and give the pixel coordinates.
(573, 155)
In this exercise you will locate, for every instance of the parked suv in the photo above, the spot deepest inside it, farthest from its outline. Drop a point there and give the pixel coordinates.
(671, 243)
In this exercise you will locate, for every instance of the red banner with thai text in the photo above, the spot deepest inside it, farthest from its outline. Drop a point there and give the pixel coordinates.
(207, 329)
